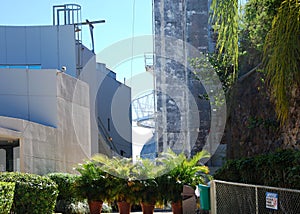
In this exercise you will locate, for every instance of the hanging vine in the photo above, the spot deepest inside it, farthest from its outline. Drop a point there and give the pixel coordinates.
(281, 46)
(225, 21)
(282, 56)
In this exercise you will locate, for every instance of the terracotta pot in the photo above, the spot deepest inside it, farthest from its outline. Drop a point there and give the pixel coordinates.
(147, 208)
(124, 207)
(95, 206)
(177, 207)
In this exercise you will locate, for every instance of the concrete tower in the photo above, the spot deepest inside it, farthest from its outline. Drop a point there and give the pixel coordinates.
(181, 32)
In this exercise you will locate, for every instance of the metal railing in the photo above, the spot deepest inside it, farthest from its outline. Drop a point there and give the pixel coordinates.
(237, 198)
(105, 136)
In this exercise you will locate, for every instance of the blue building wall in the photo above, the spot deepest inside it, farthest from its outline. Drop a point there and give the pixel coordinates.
(46, 47)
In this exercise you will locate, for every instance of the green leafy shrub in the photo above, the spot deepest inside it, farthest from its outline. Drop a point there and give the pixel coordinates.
(145, 185)
(6, 196)
(280, 169)
(151, 181)
(119, 179)
(67, 200)
(34, 194)
(65, 184)
(181, 171)
(93, 183)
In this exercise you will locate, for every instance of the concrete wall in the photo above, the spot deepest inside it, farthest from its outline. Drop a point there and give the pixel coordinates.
(113, 107)
(187, 22)
(93, 78)
(44, 97)
(29, 95)
(50, 47)
(103, 88)
(45, 149)
(74, 127)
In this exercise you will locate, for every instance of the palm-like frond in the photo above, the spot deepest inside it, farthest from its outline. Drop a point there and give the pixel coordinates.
(197, 157)
(225, 19)
(282, 55)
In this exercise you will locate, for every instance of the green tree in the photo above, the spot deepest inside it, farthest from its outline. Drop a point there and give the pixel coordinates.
(258, 16)
(282, 56)
(225, 19)
(278, 43)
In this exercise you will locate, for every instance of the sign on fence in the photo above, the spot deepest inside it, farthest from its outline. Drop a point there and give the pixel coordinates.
(272, 200)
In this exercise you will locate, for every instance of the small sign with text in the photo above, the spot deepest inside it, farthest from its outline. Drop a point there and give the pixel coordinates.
(272, 200)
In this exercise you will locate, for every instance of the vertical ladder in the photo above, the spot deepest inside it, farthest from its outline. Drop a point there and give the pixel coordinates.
(70, 14)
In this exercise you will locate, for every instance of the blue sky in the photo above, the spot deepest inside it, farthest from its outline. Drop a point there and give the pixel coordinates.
(118, 15)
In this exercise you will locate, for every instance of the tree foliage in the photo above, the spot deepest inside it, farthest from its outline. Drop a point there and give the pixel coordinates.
(225, 19)
(255, 23)
(280, 168)
(268, 31)
(282, 55)
(258, 18)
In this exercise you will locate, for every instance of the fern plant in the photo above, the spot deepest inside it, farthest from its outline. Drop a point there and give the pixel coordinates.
(182, 171)
(92, 183)
(120, 177)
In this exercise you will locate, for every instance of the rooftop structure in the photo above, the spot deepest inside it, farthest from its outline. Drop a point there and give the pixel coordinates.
(57, 102)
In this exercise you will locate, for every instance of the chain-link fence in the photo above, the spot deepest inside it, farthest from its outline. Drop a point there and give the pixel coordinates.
(237, 198)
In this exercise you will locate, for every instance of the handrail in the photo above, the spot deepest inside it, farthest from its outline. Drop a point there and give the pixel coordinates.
(107, 136)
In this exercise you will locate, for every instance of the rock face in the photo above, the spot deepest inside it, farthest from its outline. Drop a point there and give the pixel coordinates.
(291, 129)
(252, 127)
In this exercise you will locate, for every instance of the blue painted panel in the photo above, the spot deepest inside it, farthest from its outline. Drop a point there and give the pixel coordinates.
(33, 45)
(2, 46)
(67, 50)
(15, 41)
(49, 47)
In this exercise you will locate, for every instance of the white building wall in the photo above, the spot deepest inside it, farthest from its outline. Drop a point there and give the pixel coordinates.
(113, 107)
(42, 97)
(33, 45)
(43, 148)
(74, 130)
(90, 76)
(29, 95)
(102, 91)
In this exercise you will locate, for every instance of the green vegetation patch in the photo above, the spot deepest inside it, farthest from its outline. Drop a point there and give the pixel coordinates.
(34, 194)
(279, 169)
(6, 196)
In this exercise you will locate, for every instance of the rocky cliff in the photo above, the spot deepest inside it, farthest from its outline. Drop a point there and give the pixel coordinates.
(252, 127)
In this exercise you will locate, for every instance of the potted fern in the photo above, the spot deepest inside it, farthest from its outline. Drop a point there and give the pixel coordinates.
(181, 171)
(120, 175)
(93, 184)
(145, 171)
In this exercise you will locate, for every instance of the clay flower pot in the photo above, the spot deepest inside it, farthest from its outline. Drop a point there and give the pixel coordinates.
(124, 207)
(95, 206)
(147, 208)
(177, 207)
